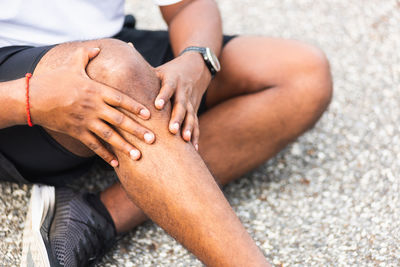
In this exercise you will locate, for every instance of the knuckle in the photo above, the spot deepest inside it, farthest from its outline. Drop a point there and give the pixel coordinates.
(186, 85)
(119, 119)
(88, 89)
(188, 91)
(171, 83)
(180, 113)
(77, 116)
(193, 118)
(87, 103)
(105, 155)
(93, 146)
(189, 117)
(182, 101)
(75, 131)
(136, 107)
(118, 99)
(107, 134)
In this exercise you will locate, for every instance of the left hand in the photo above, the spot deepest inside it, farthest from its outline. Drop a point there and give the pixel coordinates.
(186, 78)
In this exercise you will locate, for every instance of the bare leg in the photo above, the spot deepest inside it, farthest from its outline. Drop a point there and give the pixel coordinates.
(171, 183)
(279, 91)
(270, 91)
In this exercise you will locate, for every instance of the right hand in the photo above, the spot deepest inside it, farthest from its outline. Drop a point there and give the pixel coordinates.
(66, 100)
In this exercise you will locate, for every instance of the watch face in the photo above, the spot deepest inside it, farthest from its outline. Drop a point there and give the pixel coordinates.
(213, 60)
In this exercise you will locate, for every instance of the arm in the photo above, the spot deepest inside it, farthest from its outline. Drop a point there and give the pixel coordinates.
(12, 104)
(64, 99)
(191, 23)
(194, 23)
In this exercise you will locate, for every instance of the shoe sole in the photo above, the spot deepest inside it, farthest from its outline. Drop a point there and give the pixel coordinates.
(41, 206)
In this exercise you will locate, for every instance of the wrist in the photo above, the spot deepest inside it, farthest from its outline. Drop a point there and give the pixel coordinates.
(210, 59)
(35, 103)
(197, 59)
(12, 105)
(17, 96)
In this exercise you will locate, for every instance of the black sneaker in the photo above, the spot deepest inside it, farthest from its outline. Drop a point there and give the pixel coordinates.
(64, 228)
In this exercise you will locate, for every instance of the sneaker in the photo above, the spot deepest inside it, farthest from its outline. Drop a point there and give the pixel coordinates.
(64, 228)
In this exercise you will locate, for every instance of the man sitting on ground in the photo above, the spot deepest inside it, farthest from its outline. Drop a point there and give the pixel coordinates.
(142, 108)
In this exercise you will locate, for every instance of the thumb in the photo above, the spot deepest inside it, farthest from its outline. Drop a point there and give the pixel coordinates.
(84, 55)
(159, 73)
(93, 52)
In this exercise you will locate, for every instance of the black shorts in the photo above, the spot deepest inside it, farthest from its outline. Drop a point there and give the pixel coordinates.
(30, 154)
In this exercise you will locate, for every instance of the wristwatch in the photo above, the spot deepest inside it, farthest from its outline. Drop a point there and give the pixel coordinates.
(209, 57)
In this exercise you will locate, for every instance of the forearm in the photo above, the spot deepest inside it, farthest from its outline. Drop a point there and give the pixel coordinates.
(12, 103)
(197, 24)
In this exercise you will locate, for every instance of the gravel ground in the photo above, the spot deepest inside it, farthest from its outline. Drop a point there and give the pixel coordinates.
(332, 197)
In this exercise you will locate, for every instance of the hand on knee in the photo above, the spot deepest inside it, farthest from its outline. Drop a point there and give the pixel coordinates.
(83, 108)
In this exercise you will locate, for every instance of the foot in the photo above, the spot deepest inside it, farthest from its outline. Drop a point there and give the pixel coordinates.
(64, 228)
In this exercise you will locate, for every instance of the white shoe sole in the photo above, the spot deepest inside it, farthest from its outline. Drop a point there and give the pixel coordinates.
(34, 253)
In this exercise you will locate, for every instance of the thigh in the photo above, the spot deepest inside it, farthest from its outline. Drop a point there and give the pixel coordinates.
(250, 64)
(30, 153)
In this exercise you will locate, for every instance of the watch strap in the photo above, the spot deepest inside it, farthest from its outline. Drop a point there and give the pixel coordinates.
(203, 52)
(199, 49)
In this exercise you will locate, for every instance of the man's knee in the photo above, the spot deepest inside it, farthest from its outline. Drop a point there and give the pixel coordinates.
(119, 65)
(313, 80)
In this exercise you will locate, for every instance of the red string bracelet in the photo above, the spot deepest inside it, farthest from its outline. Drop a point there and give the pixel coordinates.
(28, 108)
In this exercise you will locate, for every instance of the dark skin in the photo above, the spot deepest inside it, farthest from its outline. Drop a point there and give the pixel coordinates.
(170, 182)
(187, 77)
(81, 115)
(79, 107)
(260, 122)
(207, 232)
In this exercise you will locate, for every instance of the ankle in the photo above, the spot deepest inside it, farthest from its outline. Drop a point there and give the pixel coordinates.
(95, 201)
(123, 212)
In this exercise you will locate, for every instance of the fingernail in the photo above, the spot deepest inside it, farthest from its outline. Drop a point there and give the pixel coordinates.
(188, 134)
(135, 154)
(114, 163)
(144, 113)
(174, 127)
(96, 48)
(149, 138)
(197, 147)
(160, 103)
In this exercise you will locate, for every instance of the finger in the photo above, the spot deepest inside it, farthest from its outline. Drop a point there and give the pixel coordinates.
(93, 52)
(110, 136)
(124, 122)
(168, 88)
(84, 54)
(196, 134)
(97, 147)
(188, 126)
(116, 98)
(178, 113)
